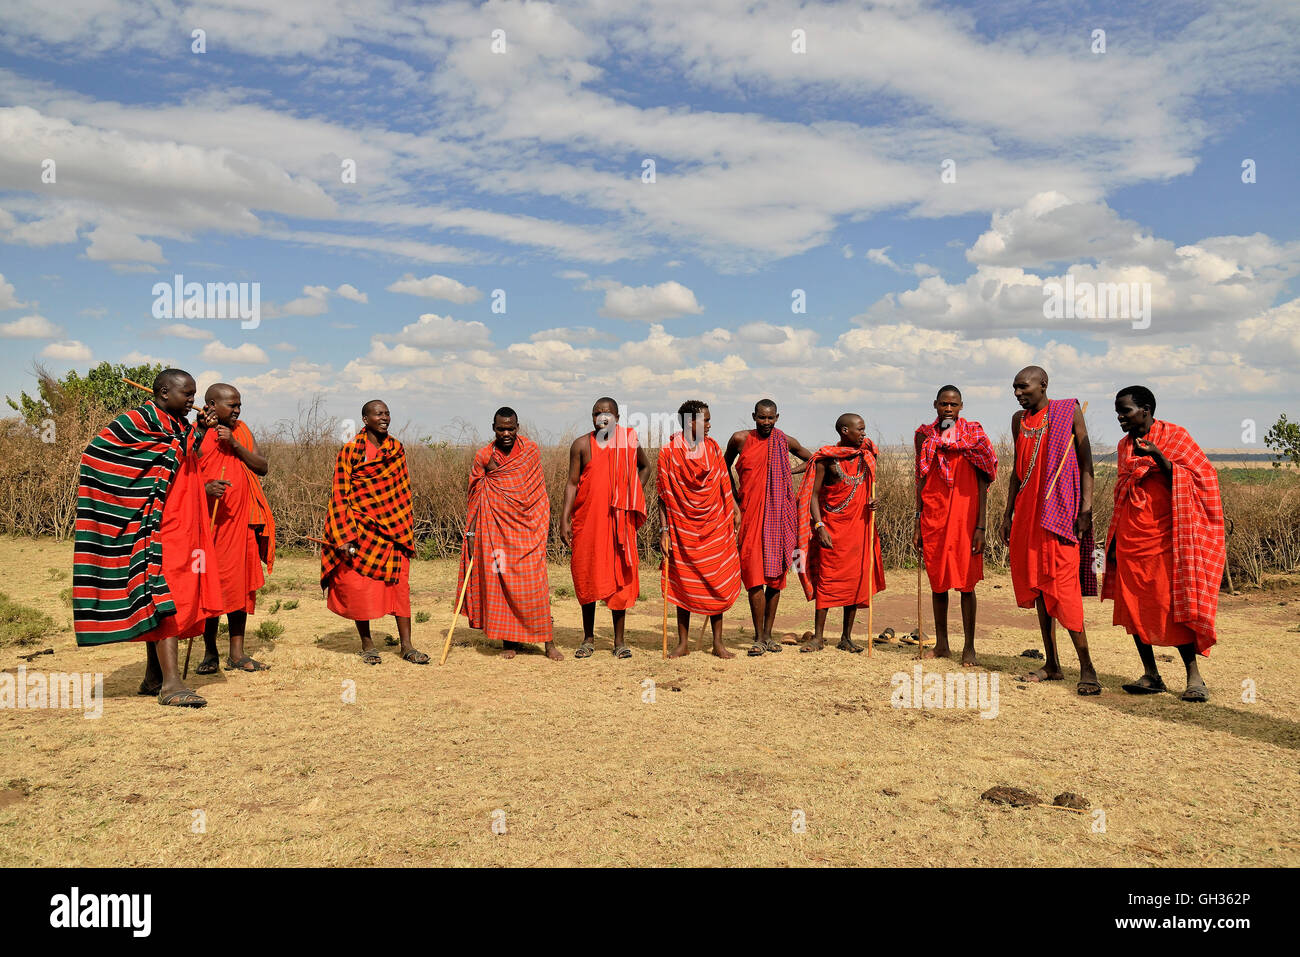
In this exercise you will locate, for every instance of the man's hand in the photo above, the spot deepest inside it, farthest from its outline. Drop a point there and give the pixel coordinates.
(824, 537)
(1083, 524)
(225, 434)
(216, 488)
(1005, 529)
(977, 542)
(350, 548)
(735, 520)
(665, 542)
(566, 533)
(916, 533)
(1143, 447)
(207, 417)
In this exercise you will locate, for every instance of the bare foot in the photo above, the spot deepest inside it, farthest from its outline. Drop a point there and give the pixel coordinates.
(552, 652)
(681, 651)
(968, 658)
(1042, 674)
(813, 644)
(937, 652)
(508, 650)
(721, 651)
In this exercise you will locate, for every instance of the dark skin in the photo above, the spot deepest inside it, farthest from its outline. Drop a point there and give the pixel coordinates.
(1030, 388)
(695, 431)
(376, 419)
(162, 673)
(949, 406)
(225, 403)
(852, 431)
(505, 433)
(604, 418)
(763, 599)
(1136, 422)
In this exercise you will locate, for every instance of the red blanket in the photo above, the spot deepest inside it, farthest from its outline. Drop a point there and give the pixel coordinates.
(704, 568)
(838, 577)
(370, 504)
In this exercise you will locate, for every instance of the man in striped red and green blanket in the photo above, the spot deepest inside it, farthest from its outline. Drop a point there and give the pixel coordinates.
(140, 564)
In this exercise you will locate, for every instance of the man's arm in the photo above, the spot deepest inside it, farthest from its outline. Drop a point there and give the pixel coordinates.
(1013, 486)
(253, 457)
(981, 523)
(799, 452)
(815, 508)
(1083, 449)
(920, 485)
(642, 466)
(734, 445)
(571, 491)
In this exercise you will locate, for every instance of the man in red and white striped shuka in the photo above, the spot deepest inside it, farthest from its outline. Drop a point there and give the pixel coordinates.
(1165, 546)
(509, 595)
(700, 520)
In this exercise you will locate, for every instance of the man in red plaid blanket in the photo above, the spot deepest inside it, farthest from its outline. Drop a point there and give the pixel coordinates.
(509, 594)
(366, 568)
(764, 488)
(1165, 547)
(1047, 526)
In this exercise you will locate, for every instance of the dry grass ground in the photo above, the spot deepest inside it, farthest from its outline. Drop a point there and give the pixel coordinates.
(286, 773)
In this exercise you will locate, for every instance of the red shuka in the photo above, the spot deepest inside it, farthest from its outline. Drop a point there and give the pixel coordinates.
(950, 501)
(704, 567)
(1165, 547)
(1042, 562)
(238, 562)
(837, 577)
(608, 509)
(752, 468)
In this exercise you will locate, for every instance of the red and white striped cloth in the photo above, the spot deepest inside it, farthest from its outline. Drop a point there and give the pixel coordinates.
(693, 484)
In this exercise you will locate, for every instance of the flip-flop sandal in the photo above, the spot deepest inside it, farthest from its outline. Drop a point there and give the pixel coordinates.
(910, 639)
(771, 644)
(1145, 686)
(622, 651)
(208, 666)
(585, 650)
(1088, 688)
(182, 699)
(149, 691)
(1196, 695)
(240, 665)
(416, 657)
(756, 649)
(370, 656)
(885, 637)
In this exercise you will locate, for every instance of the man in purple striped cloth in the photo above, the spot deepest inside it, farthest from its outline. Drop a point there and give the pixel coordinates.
(763, 486)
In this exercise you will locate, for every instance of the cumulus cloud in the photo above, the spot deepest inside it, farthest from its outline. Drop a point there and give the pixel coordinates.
(667, 300)
(7, 298)
(244, 353)
(70, 350)
(314, 301)
(437, 287)
(182, 331)
(30, 327)
(432, 331)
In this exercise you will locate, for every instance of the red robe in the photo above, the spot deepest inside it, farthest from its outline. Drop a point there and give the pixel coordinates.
(607, 511)
(359, 597)
(235, 545)
(1165, 549)
(837, 577)
(1042, 563)
(704, 566)
(752, 468)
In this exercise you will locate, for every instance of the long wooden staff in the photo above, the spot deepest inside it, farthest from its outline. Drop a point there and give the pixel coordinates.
(920, 615)
(142, 388)
(871, 565)
(446, 645)
(663, 587)
(1061, 464)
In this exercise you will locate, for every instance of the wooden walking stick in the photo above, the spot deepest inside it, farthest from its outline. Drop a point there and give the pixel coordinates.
(142, 388)
(663, 587)
(871, 565)
(920, 615)
(446, 645)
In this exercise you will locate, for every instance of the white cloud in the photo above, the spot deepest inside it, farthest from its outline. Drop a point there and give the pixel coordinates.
(244, 353)
(667, 300)
(7, 298)
(441, 332)
(137, 358)
(113, 246)
(30, 327)
(437, 287)
(70, 350)
(182, 331)
(349, 291)
(314, 301)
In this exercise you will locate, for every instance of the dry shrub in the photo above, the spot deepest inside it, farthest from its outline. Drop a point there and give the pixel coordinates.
(38, 481)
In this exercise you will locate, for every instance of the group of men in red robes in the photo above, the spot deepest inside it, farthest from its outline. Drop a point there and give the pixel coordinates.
(173, 529)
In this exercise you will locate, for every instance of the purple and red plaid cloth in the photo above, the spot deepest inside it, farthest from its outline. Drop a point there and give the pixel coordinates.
(1060, 507)
(780, 532)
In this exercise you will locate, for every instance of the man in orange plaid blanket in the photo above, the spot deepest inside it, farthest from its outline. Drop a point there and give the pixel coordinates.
(1165, 547)
(509, 597)
(371, 533)
(243, 531)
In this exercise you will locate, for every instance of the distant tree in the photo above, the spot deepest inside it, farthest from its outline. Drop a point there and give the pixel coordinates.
(1284, 440)
(101, 387)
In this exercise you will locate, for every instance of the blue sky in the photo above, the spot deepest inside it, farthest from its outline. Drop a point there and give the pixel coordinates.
(775, 170)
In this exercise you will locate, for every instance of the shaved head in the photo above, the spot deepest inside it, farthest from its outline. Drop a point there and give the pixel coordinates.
(605, 400)
(366, 409)
(168, 378)
(220, 390)
(1034, 372)
(847, 420)
(762, 404)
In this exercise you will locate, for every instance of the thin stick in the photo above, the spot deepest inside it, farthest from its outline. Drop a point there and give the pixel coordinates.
(663, 587)
(446, 645)
(142, 388)
(920, 615)
(1061, 464)
(871, 567)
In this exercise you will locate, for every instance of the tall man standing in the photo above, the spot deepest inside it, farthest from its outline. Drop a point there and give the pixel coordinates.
(604, 505)
(699, 519)
(955, 464)
(1165, 548)
(242, 527)
(507, 526)
(836, 531)
(768, 524)
(1048, 515)
(141, 561)
(366, 568)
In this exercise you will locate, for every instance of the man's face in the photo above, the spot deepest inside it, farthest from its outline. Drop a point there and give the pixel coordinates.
(506, 431)
(604, 416)
(854, 431)
(1132, 417)
(1029, 389)
(948, 405)
(698, 425)
(227, 406)
(378, 419)
(765, 420)
(178, 396)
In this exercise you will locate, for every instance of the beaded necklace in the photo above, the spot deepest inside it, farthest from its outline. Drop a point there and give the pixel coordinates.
(1038, 440)
(853, 480)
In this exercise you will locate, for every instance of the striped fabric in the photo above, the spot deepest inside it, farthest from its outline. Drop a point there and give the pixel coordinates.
(779, 532)
(370, 504)
(965, 437)
(509, 597)
(118, 589)
(704, 570)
